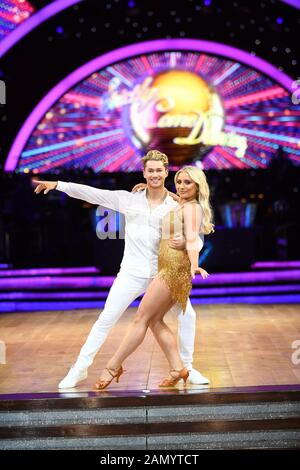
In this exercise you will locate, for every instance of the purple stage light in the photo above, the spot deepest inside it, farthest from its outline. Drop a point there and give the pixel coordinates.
(252, 277)
(293, 3)
(72, 305)
(287, 289)
(212, 291)
(48, 271)
(125, 53)
(48, 282)
(17, 296)
(42, 306)
(279, 20)
(276, 264)
(35, 20)
(255, 300)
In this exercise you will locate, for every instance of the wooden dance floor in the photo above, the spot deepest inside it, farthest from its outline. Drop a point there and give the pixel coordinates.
(236, 346)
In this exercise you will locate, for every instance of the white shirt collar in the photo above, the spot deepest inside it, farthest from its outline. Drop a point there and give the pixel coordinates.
(165, 201)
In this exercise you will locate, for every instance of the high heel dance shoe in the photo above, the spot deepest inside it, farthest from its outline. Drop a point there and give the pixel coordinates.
(172, 381)
(101, 384)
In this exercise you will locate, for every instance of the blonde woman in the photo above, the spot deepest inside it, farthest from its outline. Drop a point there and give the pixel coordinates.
(172, 284)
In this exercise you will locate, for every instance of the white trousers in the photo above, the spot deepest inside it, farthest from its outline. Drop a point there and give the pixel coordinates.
(126, 289)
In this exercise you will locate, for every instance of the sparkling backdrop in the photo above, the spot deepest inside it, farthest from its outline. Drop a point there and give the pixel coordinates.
(82, 131)
(13, 13)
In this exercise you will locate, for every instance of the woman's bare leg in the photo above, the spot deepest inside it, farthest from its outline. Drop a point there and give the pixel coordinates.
(168, 343)
(156, 302)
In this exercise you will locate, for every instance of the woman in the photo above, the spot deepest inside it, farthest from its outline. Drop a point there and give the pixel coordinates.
(172, 284)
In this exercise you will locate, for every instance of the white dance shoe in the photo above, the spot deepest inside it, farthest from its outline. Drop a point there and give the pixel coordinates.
(196, 378)
(73, 377)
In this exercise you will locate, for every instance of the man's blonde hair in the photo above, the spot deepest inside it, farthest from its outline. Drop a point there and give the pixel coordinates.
(157, 156)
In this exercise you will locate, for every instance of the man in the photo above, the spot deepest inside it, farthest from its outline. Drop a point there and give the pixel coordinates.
(143, 213)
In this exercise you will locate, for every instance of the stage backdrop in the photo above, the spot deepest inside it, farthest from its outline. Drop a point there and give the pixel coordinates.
(196, 107)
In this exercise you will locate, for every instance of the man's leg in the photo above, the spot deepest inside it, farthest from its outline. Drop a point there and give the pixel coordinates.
(186, 337)
(124, 290)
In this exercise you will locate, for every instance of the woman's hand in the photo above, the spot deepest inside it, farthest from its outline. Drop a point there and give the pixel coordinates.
(45, 186)
(138, 187)
(198, 270)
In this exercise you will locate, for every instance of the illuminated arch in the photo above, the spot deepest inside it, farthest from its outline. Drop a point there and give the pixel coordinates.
(128, 52)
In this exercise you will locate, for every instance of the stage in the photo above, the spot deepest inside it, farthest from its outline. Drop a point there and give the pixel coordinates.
(236, 346)
(253, 400)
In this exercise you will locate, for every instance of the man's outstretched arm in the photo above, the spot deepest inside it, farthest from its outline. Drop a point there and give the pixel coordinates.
(115, 200)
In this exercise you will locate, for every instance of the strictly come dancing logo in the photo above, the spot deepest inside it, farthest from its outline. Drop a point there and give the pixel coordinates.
(176, 111)
(197, 108)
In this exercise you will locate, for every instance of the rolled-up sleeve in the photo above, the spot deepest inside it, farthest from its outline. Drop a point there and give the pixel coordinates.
(115, 200)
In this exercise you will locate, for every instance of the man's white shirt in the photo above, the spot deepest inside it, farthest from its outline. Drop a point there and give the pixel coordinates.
(142, 223)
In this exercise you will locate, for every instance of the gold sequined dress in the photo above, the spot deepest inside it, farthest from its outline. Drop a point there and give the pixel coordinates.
(174, 266)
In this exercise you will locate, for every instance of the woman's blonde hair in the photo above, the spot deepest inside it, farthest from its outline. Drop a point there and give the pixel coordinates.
(198, 176)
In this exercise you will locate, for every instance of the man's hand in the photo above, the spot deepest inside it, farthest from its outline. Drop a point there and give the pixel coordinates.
(138, 187)
(198, 270)
(174, 196)
(178, 242)
(45, 186)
